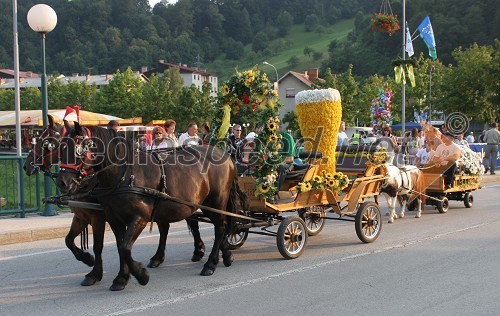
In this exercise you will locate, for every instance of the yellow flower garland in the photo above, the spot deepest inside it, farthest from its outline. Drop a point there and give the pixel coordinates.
(319, 114)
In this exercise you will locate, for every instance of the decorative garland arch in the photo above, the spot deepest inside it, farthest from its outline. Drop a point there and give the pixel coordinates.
(253, 89)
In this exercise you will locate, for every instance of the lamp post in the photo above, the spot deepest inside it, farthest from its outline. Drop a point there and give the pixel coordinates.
(276, 82)
(43, 19)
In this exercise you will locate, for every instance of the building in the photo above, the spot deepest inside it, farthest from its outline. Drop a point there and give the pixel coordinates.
(35, 81)
(291, 84)
(9, 74)
(191, 76)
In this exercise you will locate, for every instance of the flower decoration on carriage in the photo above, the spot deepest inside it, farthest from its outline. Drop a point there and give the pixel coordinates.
(252, 89)
(380, 156)
(470, 162)
(319, 113)
(333, 182)
(381, 109)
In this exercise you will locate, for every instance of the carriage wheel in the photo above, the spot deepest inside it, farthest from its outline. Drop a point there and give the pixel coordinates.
(368, 222)
(442, 205)
(291, 237)
(468, 199)
(314, 222)
(236, 239)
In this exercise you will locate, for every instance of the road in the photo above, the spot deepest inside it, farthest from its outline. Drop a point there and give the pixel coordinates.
(440, 264)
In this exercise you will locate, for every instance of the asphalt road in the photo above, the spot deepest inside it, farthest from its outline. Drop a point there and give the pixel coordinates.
(440, 264)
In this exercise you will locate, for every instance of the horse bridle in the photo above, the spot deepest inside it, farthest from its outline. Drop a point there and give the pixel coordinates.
(83, 153)
(39, 162)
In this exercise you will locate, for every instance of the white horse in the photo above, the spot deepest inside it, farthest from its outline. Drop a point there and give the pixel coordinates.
(403, 184)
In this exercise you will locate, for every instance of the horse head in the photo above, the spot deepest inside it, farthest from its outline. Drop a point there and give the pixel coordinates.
(45, 151)
(77, 153)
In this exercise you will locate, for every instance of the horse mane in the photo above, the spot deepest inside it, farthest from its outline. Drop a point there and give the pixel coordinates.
(116, 149)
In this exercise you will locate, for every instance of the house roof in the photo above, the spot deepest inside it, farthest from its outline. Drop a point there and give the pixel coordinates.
(9, 73)
(299, 76)
(183, 69)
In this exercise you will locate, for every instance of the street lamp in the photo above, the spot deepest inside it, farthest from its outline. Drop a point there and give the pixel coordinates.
(43, 19)
(276, 82)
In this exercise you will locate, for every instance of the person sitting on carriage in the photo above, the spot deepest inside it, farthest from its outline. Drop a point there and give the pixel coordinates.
(446, 155)
(423, 154)
(234, 140)
(244, 152)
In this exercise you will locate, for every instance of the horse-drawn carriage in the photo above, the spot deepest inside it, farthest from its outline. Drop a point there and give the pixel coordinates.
(311, 209)
(439, 195)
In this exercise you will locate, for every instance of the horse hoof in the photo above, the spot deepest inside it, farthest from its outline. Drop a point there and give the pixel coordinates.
(143, 277)
(387, 214)
(117, 287)
(391, 220)
(228, 260)
(401, 215)
(197, 256)
(89, 280)
(207, 272)
(418, 215)
(154, 263)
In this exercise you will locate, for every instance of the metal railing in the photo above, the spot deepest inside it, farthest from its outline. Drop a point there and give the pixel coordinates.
(13, 178)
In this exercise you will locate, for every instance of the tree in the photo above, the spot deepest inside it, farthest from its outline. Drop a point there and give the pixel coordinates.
(284, 22)
(293, 61)
(291, 119)
(471, 87)
(308, 51)
(260, 42)
(311, 22)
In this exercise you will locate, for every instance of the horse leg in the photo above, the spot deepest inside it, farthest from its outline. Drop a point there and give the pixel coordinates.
(134, 229)
(404, 201)
(77, 227)
(159, 256)
(199, 246)
(227, 255)
(121, 280)
(419, 208)
(98, 221)
(213, 259)
(391, 203)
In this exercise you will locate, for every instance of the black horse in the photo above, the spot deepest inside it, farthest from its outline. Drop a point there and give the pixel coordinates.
(133, 186)
(45, 154)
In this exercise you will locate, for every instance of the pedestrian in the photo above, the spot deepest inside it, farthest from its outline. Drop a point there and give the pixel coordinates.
(170, 137)
(234, 139)
(470, 138)
(412, 142)
(492, 139)
(190, 137)
(342, 138)
(459, 140)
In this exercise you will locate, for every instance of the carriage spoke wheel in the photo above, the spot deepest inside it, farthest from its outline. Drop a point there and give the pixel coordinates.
(313, 220)
(468, 200)
(368, 222)
(442, 205)
(291, 237)
(236, 239)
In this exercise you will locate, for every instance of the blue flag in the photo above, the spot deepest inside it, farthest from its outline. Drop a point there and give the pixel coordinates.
(427, 34)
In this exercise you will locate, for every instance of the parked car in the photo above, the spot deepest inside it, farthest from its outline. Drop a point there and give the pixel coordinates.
(366, 133)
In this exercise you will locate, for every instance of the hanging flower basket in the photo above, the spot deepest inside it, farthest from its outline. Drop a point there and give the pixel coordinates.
(383, 22)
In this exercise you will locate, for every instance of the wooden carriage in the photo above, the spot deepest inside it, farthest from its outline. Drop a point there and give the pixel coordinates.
(461, 189)
(313, 208)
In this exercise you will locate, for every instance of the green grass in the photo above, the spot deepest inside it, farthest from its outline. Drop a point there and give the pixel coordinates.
(299, 40)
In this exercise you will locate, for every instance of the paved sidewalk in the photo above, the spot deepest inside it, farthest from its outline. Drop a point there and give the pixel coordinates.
(36, 227)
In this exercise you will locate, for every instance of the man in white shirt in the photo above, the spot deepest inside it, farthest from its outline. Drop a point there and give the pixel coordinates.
(470, 138)
(423, 154)
(190, 137)
(446, 155)
(342, 138)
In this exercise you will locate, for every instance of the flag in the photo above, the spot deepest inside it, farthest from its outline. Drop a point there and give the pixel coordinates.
(427, 34)
(409, 44)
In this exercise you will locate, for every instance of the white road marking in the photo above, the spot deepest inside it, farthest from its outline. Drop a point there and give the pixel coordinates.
(281, 274)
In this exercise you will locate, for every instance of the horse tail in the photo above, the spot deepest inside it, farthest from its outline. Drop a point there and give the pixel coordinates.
(238, 200)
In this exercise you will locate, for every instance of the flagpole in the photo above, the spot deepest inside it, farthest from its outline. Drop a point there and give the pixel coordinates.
(403, 92)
